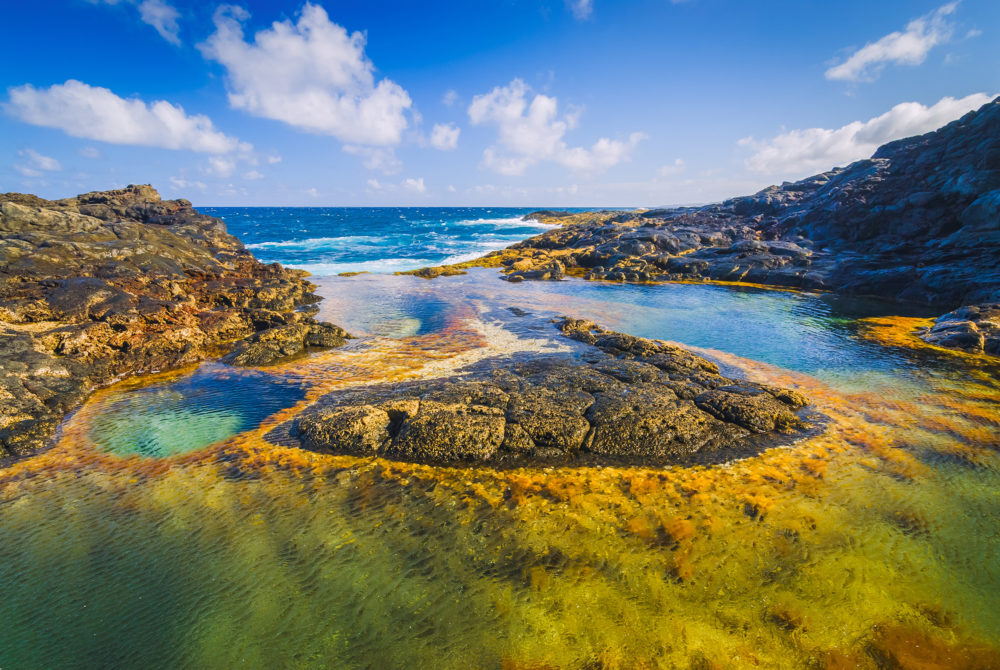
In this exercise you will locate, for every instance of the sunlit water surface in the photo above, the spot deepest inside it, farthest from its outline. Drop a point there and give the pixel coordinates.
(163, 530)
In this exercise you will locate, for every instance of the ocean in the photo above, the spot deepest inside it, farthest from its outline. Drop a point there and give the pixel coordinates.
(331, 240)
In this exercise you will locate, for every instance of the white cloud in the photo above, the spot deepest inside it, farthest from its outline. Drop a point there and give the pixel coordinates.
(273, 159)
(533, 132)
(96, 113)
(90, 152)
(252, 175)
(909, 47)
(674, 168)
(312, 74)
(382, 159)
(415, 185)
(582, 9)
(219, 166)
(159, 14)
(35, 163)
(444, 136)
(801, 152)
(182, 184)
(312, 192)
(450, 97)
(163, 17)
(451, 188)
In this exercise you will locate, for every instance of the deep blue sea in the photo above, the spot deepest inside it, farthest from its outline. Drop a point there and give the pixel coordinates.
(330, 240)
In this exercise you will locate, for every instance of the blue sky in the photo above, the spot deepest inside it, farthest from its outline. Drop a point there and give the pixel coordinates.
(493, 102)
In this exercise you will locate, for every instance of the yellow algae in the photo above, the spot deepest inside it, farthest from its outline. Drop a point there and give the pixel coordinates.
(899, 331)
(811, 555)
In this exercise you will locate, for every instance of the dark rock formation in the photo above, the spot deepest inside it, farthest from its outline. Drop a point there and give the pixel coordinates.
(631, 399)
(919, 221)
(117, 283)
(975, 328)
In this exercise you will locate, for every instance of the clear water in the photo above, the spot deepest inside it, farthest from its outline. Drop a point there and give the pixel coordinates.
(210, 405)
(872, 545)
(331, 240)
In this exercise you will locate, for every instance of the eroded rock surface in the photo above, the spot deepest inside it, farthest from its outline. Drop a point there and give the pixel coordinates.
(116, 283)
(974, 328)
(633, 399)
(918, 221)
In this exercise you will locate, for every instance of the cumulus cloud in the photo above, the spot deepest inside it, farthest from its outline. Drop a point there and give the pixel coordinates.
(252, 175)
(159, 14)
(35, 164)
(414, 185)
(181, 184)
(450, 97)
(533, 131)
(90, 152)
(383, 159)
(95, 113)
(909, 47)
(444, 136)
(312, 75)
(273, 159)
(411, 184)
(581, 9)
(220, 166)
(163, 17)
(674, 168)
(817, 149)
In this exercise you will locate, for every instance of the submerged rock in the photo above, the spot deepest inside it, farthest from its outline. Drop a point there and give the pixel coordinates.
(116, 283)
(630, 399)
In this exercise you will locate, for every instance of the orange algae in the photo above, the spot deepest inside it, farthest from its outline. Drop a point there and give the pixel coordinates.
(732, 566)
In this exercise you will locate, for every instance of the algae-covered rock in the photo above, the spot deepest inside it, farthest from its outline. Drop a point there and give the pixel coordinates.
(973, 328)
(116, 283)
(629, 399)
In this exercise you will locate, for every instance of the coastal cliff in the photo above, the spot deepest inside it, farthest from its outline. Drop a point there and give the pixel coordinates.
(117, 283)
(919, 221)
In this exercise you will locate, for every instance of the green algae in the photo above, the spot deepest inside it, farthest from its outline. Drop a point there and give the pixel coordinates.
(875, 540)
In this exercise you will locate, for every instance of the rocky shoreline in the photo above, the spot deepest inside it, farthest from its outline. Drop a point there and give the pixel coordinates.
(625, 400)
(112, 284)
(918, 222)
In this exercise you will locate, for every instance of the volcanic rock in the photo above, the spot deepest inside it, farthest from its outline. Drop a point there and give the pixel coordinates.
(631, 399)
(117, 283)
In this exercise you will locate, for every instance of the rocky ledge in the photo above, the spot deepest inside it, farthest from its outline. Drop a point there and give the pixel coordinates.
(919, 221)
(625, 399)
(117, 283)
(975, 328)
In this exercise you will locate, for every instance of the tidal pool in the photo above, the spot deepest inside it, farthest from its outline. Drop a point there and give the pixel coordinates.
(189, 412)
(872, 545)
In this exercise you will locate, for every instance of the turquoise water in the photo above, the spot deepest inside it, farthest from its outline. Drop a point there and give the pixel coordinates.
(204, 407)
(812, 333)
(875, 539)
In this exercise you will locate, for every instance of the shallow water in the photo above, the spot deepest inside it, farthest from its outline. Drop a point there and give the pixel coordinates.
(872, 544)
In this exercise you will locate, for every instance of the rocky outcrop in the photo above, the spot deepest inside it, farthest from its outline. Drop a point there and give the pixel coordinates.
(975, 328)
(117, 283)
(918, 221)
(629, 399)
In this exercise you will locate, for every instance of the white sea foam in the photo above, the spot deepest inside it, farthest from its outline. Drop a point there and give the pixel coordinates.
(513, 222)
(316, 242)
(380, 265)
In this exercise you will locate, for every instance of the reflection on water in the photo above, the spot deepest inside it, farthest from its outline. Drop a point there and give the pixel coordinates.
(871, 545)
